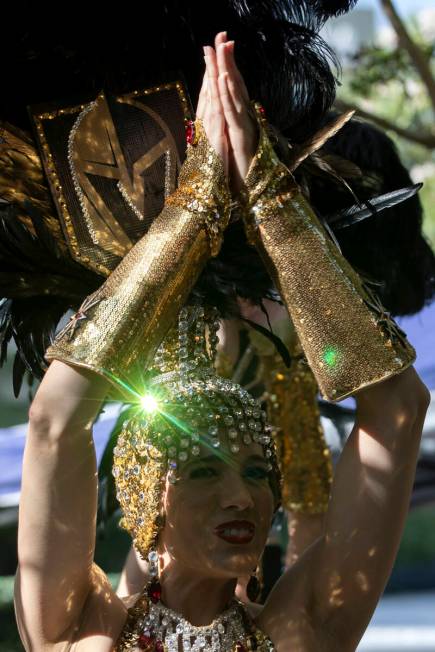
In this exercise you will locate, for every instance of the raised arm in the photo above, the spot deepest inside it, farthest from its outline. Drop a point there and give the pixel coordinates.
(110, 341)
(335, 586)
(369, 503)
(352, 346)
(56, 533)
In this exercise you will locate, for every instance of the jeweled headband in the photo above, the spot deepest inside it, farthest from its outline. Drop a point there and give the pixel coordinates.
(187, 405)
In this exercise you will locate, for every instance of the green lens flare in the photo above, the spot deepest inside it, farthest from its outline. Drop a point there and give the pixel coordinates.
(330, 356)
(149, 403)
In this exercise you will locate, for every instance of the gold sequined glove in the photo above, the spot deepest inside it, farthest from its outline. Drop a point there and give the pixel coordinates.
(119, 327)
(348, 338)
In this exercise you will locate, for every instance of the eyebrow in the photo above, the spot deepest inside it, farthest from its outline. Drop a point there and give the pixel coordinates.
(256, 458)
(206, 460)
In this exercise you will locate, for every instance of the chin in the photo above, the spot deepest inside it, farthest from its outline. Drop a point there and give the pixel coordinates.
(235, 561)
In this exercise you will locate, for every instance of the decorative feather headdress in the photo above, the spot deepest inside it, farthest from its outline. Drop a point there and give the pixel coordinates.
(40, 276)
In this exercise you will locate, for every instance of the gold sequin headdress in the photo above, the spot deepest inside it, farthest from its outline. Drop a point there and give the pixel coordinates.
(187, 406)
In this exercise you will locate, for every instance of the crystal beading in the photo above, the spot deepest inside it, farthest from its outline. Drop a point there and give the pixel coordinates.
(194, 407)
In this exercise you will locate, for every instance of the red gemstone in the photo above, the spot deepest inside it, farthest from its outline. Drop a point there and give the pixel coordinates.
(146, 642)
(190, 132)
(159, 647)
(155, 592)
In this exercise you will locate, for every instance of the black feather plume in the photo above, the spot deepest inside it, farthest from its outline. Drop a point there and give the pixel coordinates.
(391, 248)
(284, 61)
(329, 8)
(39, 285)
(371, 207)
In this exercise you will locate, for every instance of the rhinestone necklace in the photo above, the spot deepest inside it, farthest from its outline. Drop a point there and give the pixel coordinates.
(171, 629)
(153, 627)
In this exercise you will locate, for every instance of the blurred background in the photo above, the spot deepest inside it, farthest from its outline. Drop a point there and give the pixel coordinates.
(386, 49)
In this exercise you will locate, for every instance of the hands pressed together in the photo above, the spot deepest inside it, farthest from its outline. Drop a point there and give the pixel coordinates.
(225, 111)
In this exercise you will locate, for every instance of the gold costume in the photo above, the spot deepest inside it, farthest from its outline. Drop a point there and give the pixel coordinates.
(118, 328)
(349, 340)
(292, 407)
(236, 618)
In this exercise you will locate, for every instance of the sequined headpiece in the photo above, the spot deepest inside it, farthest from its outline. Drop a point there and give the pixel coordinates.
(187, 405)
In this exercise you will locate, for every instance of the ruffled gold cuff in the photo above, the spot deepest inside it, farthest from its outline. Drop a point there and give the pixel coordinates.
(118, 328)
(347, 336)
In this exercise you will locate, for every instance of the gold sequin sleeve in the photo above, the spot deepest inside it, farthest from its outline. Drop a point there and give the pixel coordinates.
(119, 327)
(303, 455)
(347, 336)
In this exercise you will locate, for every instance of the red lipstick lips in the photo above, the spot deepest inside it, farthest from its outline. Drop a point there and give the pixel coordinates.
(238, 532)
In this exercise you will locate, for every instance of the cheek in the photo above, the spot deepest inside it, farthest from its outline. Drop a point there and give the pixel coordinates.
(188, 511)
(264, 504)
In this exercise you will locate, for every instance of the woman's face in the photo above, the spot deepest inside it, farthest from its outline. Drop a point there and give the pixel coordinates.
(219, 512)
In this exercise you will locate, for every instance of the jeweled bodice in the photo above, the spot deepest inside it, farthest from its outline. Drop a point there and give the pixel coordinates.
(152, 627)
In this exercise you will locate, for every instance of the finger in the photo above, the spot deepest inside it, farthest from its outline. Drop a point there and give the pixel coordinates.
(234, 71)
(212, 79)
(232, 115)
(230, 83)
(214, 116)
(202, 100)
(216, 138)
(221, 37)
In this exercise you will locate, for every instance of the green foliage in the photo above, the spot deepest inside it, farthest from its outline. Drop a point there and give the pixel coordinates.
(418, 540)
(380, 65)
(384, 82)
(377, 65)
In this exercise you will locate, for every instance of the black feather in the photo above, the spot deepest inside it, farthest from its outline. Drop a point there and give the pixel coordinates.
(371, 207)
(38, 285)
(285, 62)
(277, 341)
(392, 248)
(329, 8)
(18, 372)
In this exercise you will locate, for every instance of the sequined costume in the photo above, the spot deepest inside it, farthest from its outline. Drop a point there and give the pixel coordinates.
(142, 444)
(290, 394)
(349, 340)
(126, 316)
(154, 279)
(192, 408)
(235, 621)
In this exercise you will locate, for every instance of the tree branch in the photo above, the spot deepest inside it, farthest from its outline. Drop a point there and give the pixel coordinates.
(425, 139)
(405, 41)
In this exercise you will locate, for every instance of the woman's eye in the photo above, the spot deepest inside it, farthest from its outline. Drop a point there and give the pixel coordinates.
(256, 473)
(203, 472)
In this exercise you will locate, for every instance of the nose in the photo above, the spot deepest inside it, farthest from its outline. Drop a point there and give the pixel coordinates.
(234, 493)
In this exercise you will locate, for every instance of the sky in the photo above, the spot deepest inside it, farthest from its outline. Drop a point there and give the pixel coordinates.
(348, 33)
(404, 7)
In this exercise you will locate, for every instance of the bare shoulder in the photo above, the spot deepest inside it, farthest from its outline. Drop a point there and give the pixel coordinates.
(288, 613)
(103, 617)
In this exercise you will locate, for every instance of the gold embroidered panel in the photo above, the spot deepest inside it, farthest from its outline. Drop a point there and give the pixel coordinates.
(111, 162)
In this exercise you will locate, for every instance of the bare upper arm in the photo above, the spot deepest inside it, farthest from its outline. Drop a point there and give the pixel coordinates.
(331, 593)
(287, 614)
(56, 531)
(96, 627)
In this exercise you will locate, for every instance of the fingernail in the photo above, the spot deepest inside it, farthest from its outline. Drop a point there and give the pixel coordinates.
(204, 47)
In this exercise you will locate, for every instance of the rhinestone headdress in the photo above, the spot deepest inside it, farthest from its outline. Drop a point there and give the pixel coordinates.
(187, 405)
